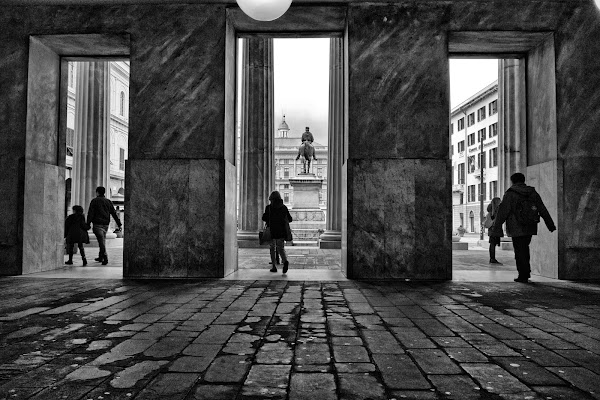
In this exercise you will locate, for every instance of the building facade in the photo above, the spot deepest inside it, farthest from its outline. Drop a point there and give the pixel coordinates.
(474, 123)
(119, 127)
(286, 165)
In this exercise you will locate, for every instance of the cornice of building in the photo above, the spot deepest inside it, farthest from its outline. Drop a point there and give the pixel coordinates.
(476, 98)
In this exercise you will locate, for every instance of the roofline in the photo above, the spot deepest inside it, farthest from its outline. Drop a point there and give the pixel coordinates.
(483, 93)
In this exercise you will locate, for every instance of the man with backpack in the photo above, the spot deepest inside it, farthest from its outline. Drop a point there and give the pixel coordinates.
(521, 209)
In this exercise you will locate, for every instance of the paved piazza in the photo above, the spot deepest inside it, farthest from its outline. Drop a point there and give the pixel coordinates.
(118, 339)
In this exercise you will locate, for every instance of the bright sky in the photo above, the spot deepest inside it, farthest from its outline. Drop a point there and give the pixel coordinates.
(302, 85)
(469, 76)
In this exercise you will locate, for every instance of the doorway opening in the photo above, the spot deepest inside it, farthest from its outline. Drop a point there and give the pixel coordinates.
(475, 152)
(293, 92)
(96, 132)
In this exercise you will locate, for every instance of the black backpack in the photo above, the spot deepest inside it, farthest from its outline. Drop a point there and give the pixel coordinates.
(526, 210)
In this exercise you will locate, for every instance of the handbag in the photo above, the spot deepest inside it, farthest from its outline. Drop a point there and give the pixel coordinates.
(264, 235)
(288, 230)
(488, 221)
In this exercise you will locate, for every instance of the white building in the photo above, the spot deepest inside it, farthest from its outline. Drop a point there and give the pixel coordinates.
(473, 121)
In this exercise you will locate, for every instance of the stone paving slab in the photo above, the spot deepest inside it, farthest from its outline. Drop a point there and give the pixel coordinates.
(217, 339)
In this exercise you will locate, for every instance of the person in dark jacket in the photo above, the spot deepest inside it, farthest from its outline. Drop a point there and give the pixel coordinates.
(519, 231)
(492, 209)
(76, 232)
(99, 214)
(275, 216)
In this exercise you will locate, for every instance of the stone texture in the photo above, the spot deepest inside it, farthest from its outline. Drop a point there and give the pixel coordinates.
(389, 235)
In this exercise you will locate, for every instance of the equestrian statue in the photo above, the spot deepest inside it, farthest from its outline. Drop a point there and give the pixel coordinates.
(307, 151)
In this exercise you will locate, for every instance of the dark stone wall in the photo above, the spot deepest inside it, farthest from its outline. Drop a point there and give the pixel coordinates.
(398, 124)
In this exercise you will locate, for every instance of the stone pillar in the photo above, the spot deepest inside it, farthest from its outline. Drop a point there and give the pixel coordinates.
(91, 145)
(511, 121)
(332, 237)
(257, 172)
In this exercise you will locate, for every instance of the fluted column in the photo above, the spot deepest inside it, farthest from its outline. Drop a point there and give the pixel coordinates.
(332, 237)
(512, 121)
(91, 143)
(257, 172)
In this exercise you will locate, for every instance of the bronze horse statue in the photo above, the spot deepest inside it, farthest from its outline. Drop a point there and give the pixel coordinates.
(307, 151)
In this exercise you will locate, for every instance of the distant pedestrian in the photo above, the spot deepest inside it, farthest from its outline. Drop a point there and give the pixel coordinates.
(521, 209)
(76, 233)
(99, 214)
(275, 217)
(492, 210)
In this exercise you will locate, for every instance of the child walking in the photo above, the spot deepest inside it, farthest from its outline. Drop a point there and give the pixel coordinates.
(76, 232)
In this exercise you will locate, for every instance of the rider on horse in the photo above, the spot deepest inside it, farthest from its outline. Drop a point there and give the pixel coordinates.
(307, 139)
(307, 150)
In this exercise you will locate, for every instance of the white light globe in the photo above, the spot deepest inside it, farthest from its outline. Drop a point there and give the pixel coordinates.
(264, 10)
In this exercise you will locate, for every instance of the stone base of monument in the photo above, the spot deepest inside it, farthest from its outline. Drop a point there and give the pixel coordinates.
(308, 220)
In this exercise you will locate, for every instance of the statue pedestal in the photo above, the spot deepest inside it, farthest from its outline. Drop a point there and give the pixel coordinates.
(308, 218)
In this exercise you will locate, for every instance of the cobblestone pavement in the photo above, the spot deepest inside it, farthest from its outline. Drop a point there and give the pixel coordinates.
(299, 257)
(84, 339)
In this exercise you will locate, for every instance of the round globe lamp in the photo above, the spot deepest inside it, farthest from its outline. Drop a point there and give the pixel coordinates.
(264, 10)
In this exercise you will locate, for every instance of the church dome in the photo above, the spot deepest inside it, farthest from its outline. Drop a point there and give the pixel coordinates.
(283, 126)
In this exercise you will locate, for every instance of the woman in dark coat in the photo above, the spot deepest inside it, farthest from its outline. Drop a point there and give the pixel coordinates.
(76, 232)
(276, 215)
(492, 209)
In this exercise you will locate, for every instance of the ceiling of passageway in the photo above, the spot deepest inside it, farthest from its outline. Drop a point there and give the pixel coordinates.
(297, 3)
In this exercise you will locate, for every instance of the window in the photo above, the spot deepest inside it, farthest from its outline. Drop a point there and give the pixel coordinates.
(70, 139)
(319, 172)
(471, 165)
(451, 129)
(286, 197)
(462, 216)
(493, 107)
(121, 159)
(494, 129)
(461, 174)
(471, 193)
(472, 221)
(122, 104)
(71, 73)
(461, 146)
(286, 172)
(461, 124)
(461, 200)
(493, 189)
(451, 150)
(286, 186)
(471, 139)
(471, 119)
(481, 114)
(493, 157)
(481, 159)
(481, 135)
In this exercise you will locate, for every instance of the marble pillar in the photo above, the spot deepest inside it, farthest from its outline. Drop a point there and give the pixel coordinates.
(92, 120)
(257, 169)
(512, 121)
(332, 237)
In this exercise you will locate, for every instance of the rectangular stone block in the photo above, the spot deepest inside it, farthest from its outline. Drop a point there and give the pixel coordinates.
(398, 219)
(176, 219)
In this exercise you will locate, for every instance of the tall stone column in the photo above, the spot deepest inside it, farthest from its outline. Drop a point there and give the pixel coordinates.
(512, 121)
(332, 237)
(257, 172)
(91, 143)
